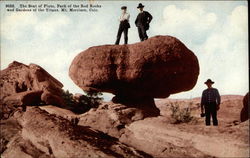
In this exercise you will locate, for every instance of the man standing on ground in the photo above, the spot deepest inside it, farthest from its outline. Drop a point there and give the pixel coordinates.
(211, 101)
(142, 22)
(124, 26)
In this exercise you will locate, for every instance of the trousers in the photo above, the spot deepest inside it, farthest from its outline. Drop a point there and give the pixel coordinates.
(142, 32)
(211, 110)
(119, 34)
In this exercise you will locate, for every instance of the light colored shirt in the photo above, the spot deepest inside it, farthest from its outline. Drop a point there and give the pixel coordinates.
(124, 16)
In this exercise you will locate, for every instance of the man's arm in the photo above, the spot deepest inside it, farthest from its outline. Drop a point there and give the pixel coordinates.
(136, 20)
(149, 16)
(128, 17)
(119, 19)
(218, 99)
(202, 108)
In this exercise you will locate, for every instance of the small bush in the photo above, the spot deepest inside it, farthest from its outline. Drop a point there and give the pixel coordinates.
(84, 103)
(180, 115)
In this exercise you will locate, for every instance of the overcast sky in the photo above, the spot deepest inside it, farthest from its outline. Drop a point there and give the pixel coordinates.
(215, 31)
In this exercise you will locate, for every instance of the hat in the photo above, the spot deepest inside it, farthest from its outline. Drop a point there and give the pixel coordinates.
(124, 7)
(140, 5)
(209, 81)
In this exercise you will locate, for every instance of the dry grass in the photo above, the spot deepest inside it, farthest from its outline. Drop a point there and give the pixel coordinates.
(180, 115)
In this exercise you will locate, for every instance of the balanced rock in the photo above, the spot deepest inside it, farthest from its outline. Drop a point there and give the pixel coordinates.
(244, 115)
(23, 85)
(155, 68)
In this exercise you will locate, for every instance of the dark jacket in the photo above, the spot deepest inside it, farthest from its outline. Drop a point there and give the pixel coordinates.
(143, 19)
(210, 95)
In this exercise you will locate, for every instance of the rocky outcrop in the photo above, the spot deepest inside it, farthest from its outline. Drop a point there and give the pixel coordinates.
(22, 85)
(155, 68)
(244, 115)
(45, 135)
(111, 118)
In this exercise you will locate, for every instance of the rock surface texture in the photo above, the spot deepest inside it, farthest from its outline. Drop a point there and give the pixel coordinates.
(244, 115)
(43, 135)
(111, 118)
(155, 68)
(22, 85)
(48, 131)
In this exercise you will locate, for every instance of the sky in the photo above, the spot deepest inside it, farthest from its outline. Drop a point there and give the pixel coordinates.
(216, 31)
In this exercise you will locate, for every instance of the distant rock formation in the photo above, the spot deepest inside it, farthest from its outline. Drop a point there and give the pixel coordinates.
(155, 68)
(22, 85)
(244, 115)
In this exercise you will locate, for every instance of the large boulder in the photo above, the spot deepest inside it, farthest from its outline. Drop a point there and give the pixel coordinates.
(22, 85)
(155, 68)
(244, 115)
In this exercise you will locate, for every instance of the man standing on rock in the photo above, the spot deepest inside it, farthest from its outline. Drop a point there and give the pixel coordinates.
(142, 22)
(211, 101)
(124, 26)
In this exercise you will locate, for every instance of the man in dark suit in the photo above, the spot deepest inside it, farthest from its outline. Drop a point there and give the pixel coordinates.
(124, 26)
(142, 22)
(211, 101)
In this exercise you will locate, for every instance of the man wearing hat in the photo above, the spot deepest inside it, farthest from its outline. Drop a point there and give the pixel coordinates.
(124, 26)
(142, 22)
(211, 101)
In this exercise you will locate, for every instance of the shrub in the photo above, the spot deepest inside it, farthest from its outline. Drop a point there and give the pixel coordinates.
(68, 98)
(180, 115)
(84, 103)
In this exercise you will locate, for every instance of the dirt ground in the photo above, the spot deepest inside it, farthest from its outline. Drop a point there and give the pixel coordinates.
(25, 135)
